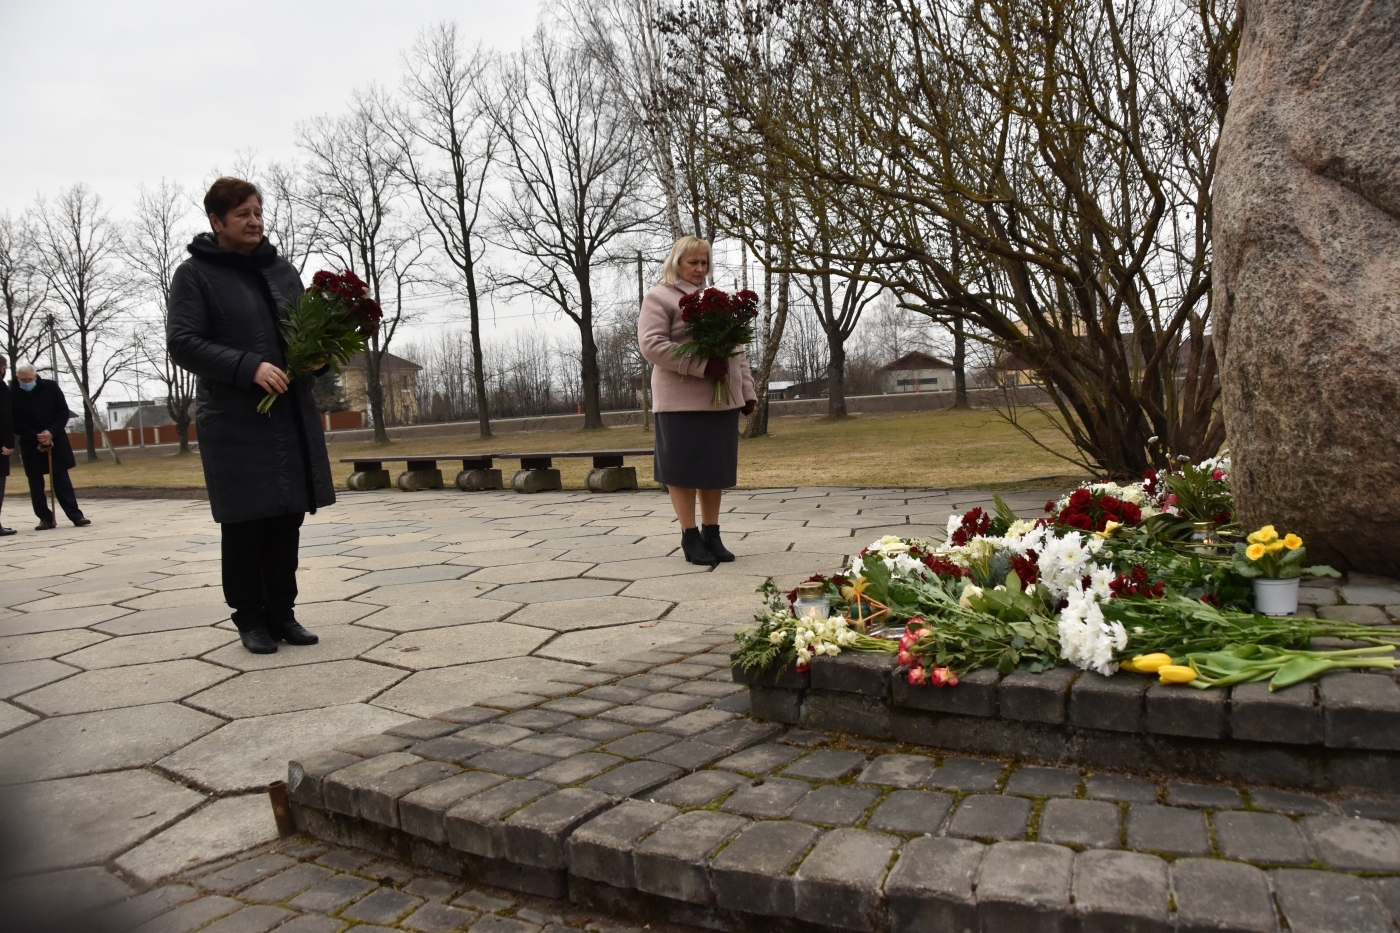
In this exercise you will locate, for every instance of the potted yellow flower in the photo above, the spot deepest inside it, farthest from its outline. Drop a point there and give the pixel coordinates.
(1274, 563)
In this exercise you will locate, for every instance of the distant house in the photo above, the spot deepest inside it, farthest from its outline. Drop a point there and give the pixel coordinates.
(917, 372)
(397, 376)
(777, 391)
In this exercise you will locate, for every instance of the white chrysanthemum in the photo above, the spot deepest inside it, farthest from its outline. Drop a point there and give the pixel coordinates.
(778, 638)
(1087, 640)
(1020, 528)
(954, 523)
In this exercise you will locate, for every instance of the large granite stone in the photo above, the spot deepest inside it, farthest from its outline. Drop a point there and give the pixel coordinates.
(1307, 276)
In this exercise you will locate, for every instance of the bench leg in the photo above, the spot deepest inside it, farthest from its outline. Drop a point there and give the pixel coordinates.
(612, 479)
(414, 480)
(476, 480)
(369, 479)
(536, 481)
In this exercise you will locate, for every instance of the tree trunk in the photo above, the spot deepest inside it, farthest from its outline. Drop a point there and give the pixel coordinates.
(182, 431)
(646, 367)
(88, 430)
(374, 391)
(836, 355)
(960, 364)
(592, 410)
(758, 422)
(483, 409)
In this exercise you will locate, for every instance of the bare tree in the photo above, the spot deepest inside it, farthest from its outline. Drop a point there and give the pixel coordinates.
(449, 144)
(291, 224)
(155, 246)
(1071, 146)
(79, 253)
(354, 181)
(22, 287)
(626, 38)
(576, 179)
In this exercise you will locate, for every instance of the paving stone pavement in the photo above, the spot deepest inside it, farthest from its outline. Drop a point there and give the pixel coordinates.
(135, 732)
(136, 735)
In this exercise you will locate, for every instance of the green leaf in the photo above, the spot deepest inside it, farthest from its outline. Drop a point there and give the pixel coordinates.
(1297, 671)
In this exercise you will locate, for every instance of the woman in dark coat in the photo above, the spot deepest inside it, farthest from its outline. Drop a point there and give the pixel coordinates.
(263, 472)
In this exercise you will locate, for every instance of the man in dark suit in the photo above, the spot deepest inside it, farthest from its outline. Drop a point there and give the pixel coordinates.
(7, 438)
(41, 420)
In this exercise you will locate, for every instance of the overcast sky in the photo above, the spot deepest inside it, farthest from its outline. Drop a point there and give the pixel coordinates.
(115, 93)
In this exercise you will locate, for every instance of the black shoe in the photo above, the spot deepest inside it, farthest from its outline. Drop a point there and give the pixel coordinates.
(253, 630)
(694, 548)
(291, 631)
(44, 526)
(258, 641)
(710, 535)
(6, 532)
(80, 522)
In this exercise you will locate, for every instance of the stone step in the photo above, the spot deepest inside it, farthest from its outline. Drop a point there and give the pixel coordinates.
(642, 791)
(1341, 733)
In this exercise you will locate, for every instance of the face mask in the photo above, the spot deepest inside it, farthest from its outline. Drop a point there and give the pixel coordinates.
(29, 386)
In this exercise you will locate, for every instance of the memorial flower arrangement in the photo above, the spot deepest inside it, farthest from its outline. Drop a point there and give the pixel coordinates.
(1107, 581)
(329, 324)
(718, 324)
(1265, 554)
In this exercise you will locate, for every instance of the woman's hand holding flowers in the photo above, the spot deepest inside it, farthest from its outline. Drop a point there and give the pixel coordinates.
(716, 368)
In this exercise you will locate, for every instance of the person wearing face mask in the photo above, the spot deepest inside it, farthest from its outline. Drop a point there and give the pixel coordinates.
(41, 421)
(7, 438)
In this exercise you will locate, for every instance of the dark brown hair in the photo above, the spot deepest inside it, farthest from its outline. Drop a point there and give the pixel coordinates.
(227, 193)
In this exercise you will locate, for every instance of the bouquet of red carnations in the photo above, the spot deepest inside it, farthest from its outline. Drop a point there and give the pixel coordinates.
(718, 324)
(330, 323)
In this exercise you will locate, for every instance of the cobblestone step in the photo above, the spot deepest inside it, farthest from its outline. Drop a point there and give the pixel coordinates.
(642, 788)
(1341, 733)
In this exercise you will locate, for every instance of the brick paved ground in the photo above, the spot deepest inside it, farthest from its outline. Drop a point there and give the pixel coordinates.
(137, 733)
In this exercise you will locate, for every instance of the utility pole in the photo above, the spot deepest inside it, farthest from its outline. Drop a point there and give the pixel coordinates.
(646, 367)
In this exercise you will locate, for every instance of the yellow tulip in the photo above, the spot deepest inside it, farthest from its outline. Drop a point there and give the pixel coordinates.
(1273, 547)
(1292, 542)
(1175, 674)
(1150, 663)
(1254, 551)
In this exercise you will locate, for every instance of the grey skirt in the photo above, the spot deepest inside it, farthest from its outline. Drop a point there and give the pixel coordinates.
(697, 449)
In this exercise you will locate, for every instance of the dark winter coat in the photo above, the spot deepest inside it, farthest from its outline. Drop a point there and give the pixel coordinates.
(43, 408)
(222, 323)
(7, 427)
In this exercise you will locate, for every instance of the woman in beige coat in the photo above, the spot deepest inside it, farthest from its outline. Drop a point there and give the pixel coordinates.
(697, 443)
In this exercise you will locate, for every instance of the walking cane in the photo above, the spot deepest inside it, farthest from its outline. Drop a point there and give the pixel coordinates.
(53, 516)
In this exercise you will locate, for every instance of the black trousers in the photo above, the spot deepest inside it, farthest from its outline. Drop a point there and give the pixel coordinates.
(63, 492)
(260, 566)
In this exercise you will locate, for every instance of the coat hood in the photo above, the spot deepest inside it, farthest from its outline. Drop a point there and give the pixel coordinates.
(206, 246)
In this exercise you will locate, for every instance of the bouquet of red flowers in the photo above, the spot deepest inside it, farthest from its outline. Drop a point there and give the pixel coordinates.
(718, 324)
(330, 323)
(1090, 510)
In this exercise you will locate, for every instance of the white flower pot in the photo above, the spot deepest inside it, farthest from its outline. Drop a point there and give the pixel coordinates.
(1275, 597)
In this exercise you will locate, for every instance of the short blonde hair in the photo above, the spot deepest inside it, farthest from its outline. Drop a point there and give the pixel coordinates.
(671, 268)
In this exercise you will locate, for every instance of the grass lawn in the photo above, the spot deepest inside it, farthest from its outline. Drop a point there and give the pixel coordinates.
(941, 448)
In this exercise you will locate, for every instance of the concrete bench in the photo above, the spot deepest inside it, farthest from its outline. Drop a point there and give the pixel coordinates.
(536, 473)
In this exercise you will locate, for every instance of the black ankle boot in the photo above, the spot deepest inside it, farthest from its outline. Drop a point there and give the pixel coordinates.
(252, 630)
(710, 535)
(694, 548)
(288, 629)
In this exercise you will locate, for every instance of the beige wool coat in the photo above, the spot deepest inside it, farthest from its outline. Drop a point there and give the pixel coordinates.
(679, 383)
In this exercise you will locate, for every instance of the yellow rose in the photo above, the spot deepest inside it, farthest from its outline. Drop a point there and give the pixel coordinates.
(1273, 547)
(1175, 674)
(1148, 663)
(1254, 551)
(1292, 542)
